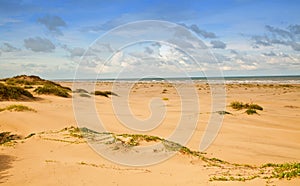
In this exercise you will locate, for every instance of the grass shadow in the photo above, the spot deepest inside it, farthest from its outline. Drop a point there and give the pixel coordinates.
(5, 164)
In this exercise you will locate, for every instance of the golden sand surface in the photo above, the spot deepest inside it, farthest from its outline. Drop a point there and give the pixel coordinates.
(51, 157)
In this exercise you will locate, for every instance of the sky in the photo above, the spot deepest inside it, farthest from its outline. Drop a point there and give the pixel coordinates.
(87, 39)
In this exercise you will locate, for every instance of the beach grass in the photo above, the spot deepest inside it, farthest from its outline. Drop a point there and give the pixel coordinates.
(251, 108)
(17, 108)
(104, 93)
(8, 92)
(54, 90)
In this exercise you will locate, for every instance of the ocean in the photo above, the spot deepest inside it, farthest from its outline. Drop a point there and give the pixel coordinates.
(295, 79)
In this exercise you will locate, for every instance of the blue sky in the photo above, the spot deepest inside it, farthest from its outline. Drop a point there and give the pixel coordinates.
(246, 37)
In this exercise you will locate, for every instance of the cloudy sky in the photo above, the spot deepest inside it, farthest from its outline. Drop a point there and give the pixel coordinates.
(244, 37)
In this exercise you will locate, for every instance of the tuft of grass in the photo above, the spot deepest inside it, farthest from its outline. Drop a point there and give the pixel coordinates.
(251, 108)
(8, 92)
(285, 170)
(237, 105)
(53, 89)
(17, 108)
(80, 90)
(223, 112)
(251, 111)
(104, 93)
(254, 106)
(84, 95)
(6, 137)
(165, 99)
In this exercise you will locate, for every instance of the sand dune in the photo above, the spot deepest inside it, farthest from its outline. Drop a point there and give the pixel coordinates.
(55, 158)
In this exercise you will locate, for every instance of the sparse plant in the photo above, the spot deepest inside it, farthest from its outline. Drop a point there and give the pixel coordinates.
(53, 89)
(17, 108)
(251, 111)
(104, 93)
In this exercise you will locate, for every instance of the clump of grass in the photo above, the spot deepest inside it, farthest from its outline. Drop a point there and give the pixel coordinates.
(165, 99)
(237, 105)
(84, 95)
(28, 86)
(6, 137)
(286, 170)
(29, 136)
(104, 93)
(8, 92)
(251, 108)
(17, 108)
(251, 111)
(223, 112)
(80, 90)
(53, 89)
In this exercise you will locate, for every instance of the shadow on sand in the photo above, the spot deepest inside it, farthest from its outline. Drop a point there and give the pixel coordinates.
(5, 164)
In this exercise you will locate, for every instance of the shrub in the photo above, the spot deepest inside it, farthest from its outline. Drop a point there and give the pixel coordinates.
(53, 89)
(7, 137)
(104, 93)
(237, 105)
(251, 111)
(17, 108)
(8, 92)
(251, 108)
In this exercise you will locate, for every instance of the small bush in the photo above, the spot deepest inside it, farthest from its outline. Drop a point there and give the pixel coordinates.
(223, 112)
(6, 137)
(237, 105)
(165, 99)
(19, 108)
(104, 93)
(255, 107)
(251, 111)
(53, 89)
(251, 108)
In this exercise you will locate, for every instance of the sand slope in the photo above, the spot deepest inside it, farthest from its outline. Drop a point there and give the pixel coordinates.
(271, 136)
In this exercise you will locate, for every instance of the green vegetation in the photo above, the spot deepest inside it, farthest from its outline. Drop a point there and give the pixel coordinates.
(13, 91)
(17, 108)
(251, 111)
(104, 93)
(8, 92)
(223, 112)
(84, 95)
(251, 108)
(53, 89)
(286, 170)
(6, 137)
(80, 90)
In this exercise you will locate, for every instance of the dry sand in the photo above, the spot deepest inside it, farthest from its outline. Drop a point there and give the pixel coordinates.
(273, 136)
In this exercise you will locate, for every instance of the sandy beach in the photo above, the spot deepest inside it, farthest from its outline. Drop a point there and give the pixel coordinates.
(53, 157)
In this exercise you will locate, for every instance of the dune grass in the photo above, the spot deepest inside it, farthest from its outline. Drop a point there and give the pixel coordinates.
(104, 93)
(17, 108)
(53, 89)
(6, 137)
(8, 92)
(251, 107)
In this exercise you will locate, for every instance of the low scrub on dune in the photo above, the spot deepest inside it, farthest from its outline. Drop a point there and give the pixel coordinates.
(251, 107)
(104, 93)
(17, 108)
(6, 137)
(53, 89)
(8, 92)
